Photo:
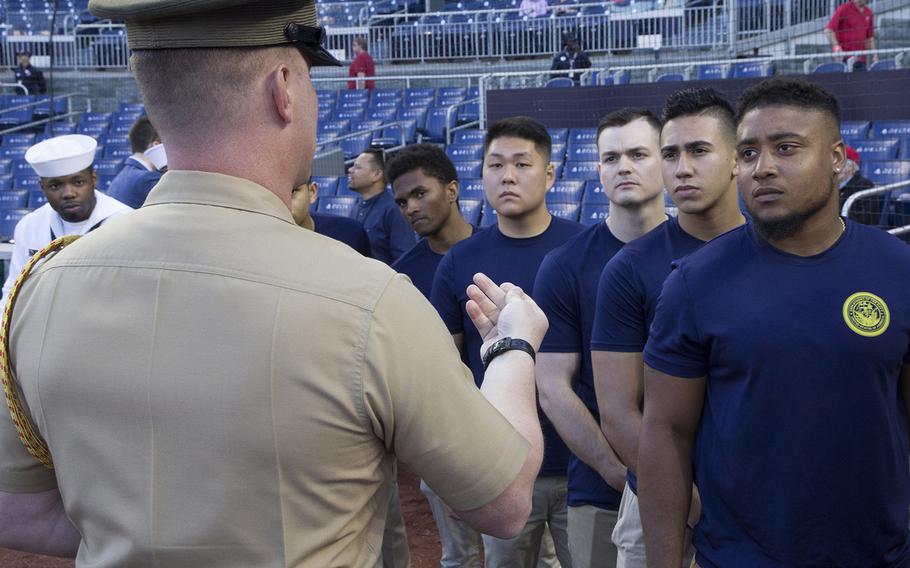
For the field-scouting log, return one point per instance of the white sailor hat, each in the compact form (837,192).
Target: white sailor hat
(157,155)
(62,156)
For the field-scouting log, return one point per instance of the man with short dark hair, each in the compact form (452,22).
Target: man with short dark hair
(697,156)
(390,234)
(28,75)
(343,229)
(516,176)
(139,175)
(571,57)
(777,370)
(566,286)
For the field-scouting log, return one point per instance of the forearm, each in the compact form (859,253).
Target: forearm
(832,39)
(37,523)
(622,428)
(665,493)
(508,385)
(581,433)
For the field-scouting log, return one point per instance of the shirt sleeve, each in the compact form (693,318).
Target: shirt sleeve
(620,321)
(558,299)
(444,297)
(834,22)
(425,407)
(401,235)
(674,346)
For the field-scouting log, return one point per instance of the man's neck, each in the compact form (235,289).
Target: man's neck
(527,225)
(455,230)
(140,157)
(309,223)
(371,191)
(629,223)
(722,217)
(817,234)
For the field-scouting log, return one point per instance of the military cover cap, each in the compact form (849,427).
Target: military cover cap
(166,24)
(62,156)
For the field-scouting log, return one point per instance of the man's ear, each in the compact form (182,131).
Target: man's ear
(279,82)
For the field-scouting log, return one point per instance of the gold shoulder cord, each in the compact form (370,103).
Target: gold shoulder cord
(29,435)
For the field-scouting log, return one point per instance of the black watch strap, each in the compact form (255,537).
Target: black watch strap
(507,344)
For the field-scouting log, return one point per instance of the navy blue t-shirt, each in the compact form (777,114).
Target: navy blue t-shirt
(504,259)
(419,264)
(564,290)
(348,231)
(390,234)
(628,289)
(802,450)
(133,183)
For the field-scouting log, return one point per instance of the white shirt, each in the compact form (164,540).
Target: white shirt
(33,232)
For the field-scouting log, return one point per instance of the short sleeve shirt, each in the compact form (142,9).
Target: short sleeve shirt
(419,264)
(852,26)
(802,450)
(249,405)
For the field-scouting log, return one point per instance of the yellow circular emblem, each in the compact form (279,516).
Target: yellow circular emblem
(866,314)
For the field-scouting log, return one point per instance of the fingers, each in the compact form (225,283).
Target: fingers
(481,321)
(483,302)
(491,290)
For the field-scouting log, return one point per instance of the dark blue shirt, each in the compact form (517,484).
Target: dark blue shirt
(134,182)
(419,264)
(565,288)
(801,454)
(628,289)
(348,231)
(504,259)
(390,234)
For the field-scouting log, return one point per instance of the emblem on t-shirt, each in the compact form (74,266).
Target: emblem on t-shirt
(866,314)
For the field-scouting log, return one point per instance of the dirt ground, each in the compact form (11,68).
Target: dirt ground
(422,535)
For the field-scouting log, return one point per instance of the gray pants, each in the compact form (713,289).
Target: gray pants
(460,543)
(590,542)
(395,550)
(548,509)
(630,538)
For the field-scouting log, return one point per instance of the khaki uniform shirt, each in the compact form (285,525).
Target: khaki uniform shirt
(219,387)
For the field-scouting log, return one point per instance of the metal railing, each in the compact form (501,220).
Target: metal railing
(98,46)
(885,192)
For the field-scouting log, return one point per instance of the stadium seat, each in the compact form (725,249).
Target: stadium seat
(467,113)
(488,217)
(593,213)
(588,135)
(13,118)
(26,182)
(6,182)
(594,193)
(436,127)
(354,115)
(883,65)
(19,139)
(385,94)
(359,95)
(621,77)
(887,172)
(135,108)
(452,93)
(380,103)
(471,209)
(581,152)
(882,149)
(353,147)
(43,109)
(566,191)
(59,128)
(385,114)
(854,129)
(670,77)
(409,127)
(14,199)
(558,151)
(36,199)
(461,152)
(890,128)
(709,72)
(829,67)
(559,82)
(12,152)
(904,151)
(420,93)
(567,211)
(108,167)
(417,114)
(752,69)
(471,188)
(8,220)
(104,182)
(468,136)
(20,167)
(468,168)
(327,96)
(337,205)
(558,135)
(117,152)
(580,170)
(328,186)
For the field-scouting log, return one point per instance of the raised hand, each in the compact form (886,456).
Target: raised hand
(504,311)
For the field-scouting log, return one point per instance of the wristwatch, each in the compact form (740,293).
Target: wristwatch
(507,344)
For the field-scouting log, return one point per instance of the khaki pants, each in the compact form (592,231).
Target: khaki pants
(548,509)
(395,550)
(460,543)
(590,542)
(630,539)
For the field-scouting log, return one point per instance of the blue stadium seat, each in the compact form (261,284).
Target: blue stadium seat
(461,152)
(385,114)
(423,103)
(6,166)
(133,108)
(558,151)
(471,188)
(417,114)
(468,168)
(19,139)
(436,127)
(408,126)
(95,117)
(751,69)
(621,77)
(558,135)
(904,152)
(337,205)
(26,182)
(420,93)
(583,135)
(360,95)
(93,129)
(886,172)
(12,152)
(382,103)
(385,94)
(882,149)
(670,77)
(20,167)
(14,199)
(471,209)
(354,115)
(326,95)
(353,147)
(830,67)
(488,218)
(593,213)
(468,136)
(104,182)
(469,112)
(15,118)
(883,65)
(566,191)
(8,220)
(580,170)
(59,128)
(853,129)
(560,82)
(6,182)
(328,186)
(353,104)
(452,93)
(336,127)
(117,152)
(567,211)
(36,199)
(712,72)
(581,152)
(108,167)
(43,108)
(594,193)
(890,128)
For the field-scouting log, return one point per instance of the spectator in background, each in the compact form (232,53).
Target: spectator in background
(851,28)
(28,75)
(139,175)
(533,8)
(866,210)
(390,234)
(571,57)
(348,231)
(362,66)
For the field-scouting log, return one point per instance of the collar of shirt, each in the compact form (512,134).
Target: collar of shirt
(104,207)
(219,190)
